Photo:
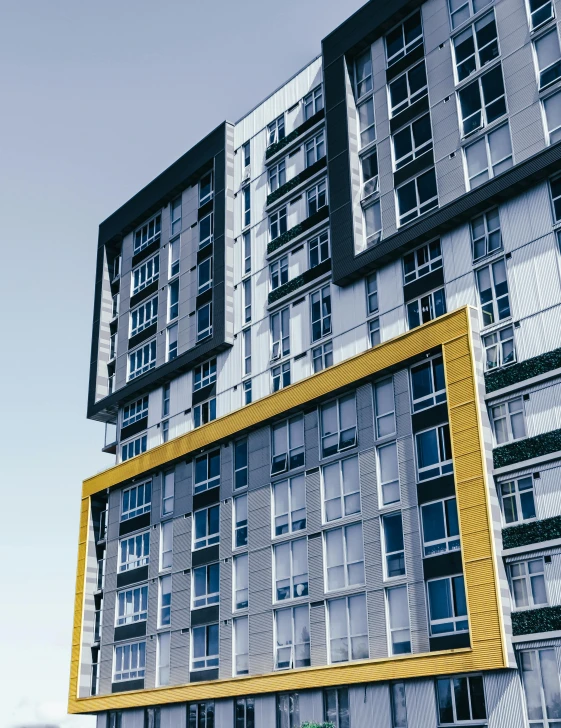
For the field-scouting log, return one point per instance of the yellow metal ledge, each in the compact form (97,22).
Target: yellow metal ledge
(488,651)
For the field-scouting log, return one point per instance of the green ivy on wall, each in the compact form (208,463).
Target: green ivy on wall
(532,532)
(531,447)
(532,621)
(505,377)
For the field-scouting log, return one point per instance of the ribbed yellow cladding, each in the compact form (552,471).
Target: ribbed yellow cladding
(488,651)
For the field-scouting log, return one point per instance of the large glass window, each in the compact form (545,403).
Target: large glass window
(147,234)
(145,274)
(276,130)
(486,233)
(434,452)
(207,471)
(398,620)
(278,272)
(241,667)
(240,521)
(291,569)
(528,583)
(241,581)
(476,46)
(548,54)
(499,348)
(163,659)
(441,531)
(425,309)
(428,386)
(322,356)
(320,302)
(447,605)
(462,10)
(347,628)
(552,108)
(142,359)
(412,141)
(394,550)
(338,425)
(540,677)
(292,633)
(135,447)
(388,474)
(344,557)
(168,491)
(372,293)
(385,407)
(373,223)
(313,102)
(164,600)
(316,197)
(422,261)
(204,321)
(398,705)
(206,585)
(288,710)
(136,500)
(369,173)
(289,505)
(460,699)
(207,527)
(341,489)
(288,445)
(132,605)
(482,101)
(129,661)
(315,149)
(408,88)
(366,122)
(492,285)
(206,230)
(518,499)
(318,248)
(240,464)
(540,12)
(277,175)
(508,421)
(489,156)
(143,316)
(166,544)
(416,197)
(204,650)
(134,551)
(204,275)
(336,707)
(280,333)
(246,206)
(201,715)
(404,38)
(363,74)
(205,189)
(204,374)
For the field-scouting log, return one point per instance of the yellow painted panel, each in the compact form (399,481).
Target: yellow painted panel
(488,650)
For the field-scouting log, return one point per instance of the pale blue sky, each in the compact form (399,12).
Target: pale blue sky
(95,100)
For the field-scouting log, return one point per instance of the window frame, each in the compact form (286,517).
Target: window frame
(507,415)
(147,350)
(240,525)
(297,481)
(393,630)
(147,311)
(449,539)
(442,466)
(434,261)
(209,597)
(142,237)
(452,681)
(466,128)
(436,396)
(164,600)
(527,578)
(314,149)
(541,23)
(313,99)
(490,169)
(540,72)
(456,618)
(293,644)
(395,556)
(514,495)
(137,510)
(476,49)
(342,495)
(210,660)
(139,614)
(210,538)
(320,313)
(293,455)
(349,633)
(341,444)
(407,46)
(421,302)
(322,357)
(421,208)
(204,198)
(138,282)
(236,626)
(346,565)
(133,673)
(210,481)
(411,98)
(295,581)
(244,468)
(243,587)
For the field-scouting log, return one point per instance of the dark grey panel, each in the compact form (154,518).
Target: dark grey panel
(204,393)
(205,556)
(134,524)
(132,576)
(403,64)
(423,285)
(150,289)
(202,675)
(206,498)
(449,642)
(147,333)
(435,489)
(411,112)
(430,417)
(123,687)
(146,252)
(134,429)
(443,565)
(414,168)
(128,631)
(206,615)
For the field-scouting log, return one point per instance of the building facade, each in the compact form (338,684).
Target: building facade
(327,349)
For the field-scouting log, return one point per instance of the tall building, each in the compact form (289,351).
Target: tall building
(327,350)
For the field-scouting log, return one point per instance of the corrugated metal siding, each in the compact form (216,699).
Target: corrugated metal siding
(503,695)
(421,704)
(318,640)
(179,661)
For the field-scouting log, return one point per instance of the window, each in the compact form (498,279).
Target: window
(173,300)
(207,471)
(447,605)
(434,452)
(277,176)
(246,154)
(166,397)
(204,412)
(206,585)
(348,628)
(276,130)
(142,359)
(366,122)
(241,581)
(482,101)
(165,430)
(385,407)
(164,600)
(493,292)
(246,343)
(316,197)
(240,464)
(486,233)
(175,217)
(338,425)
(408,88)
(147,234)
(207,527)
(145,274)
(518,500)
(206,230)
(428,386)
(315,149)
(136,500)
(205,189)
(204,321)
(280,333)
(115,305)
(548,55)
(555,188)
(388,474)
(204,648)
(404,38)
(344,557)
(288,712)
(292,632)
(241,667)
(247,391)
(412,141)
(426,308)
(417,197)
(204,275)
(319,249)
(321,313)
(277,223)
(336,707)
(508,421)
(460,699)
(552,108)
(133,448)
(540,677)
(163,659)
(280,376)
(134,551)
(204,374)
(528,583)
(373,223)
(462,10)
(363,74)
(279,272)
(289,505)
(422,261)
(246,209)
(130,661)
(288,445)
(313,102)
(172,342)
(489,156)
(374,331)
(372,294)
(168,493)
(201,715)
(114,719)
(398,705)
(476,46)
(499,348)
(291,569)
(393,545)
(322,356)
(398,620)
(240,521)
(144,316)
(113,346)
(132,605)
(341,489)
(246,237)
(540,12)
(166,545)
(441,531)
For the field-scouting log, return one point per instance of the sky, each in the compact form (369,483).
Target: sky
(96,99)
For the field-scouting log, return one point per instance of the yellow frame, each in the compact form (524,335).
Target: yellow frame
(488,649)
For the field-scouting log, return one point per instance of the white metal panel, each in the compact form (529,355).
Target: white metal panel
(390,286)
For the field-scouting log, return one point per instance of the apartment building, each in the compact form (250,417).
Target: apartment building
(327,349)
